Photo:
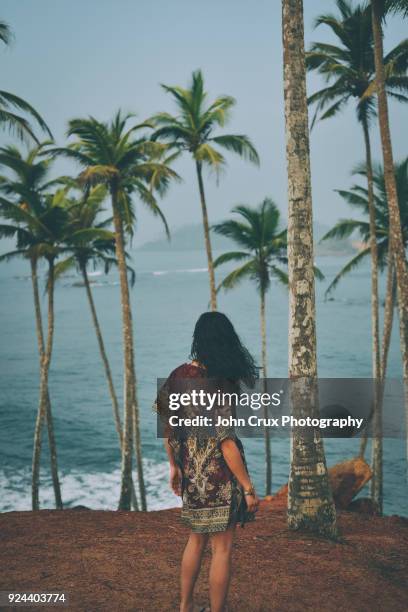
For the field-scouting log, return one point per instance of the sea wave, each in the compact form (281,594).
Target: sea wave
(95,490)
(179,271)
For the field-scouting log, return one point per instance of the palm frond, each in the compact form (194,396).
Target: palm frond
(281,275)
(62,267)
(239,144)
(9,100)
(237,231)
(318,273)
(396,6)
(351,265)
(87,235)
(16,125)
(352,197)
(235,277)
(205,153)
(149,200)
(13,255)
(344,229)
(231,256)
(6,35)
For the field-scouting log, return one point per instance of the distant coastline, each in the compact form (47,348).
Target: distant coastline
(190,238)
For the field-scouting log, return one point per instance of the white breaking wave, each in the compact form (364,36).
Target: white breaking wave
(179,271)
(95,490)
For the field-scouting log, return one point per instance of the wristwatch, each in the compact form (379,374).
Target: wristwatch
(250,491)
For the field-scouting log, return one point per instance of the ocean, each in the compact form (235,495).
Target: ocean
(171,291)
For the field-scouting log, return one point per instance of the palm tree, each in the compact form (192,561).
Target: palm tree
(357,196)
(90,243)
(257,231)
(9,120)
(39,237)
(54,221)
(378,11)
(310,502)
(192,130)
(349,67)
(110,154)
(32,225)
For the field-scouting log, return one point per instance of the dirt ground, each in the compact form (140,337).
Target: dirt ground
(130,561)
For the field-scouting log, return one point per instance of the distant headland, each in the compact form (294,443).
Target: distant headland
(190,238)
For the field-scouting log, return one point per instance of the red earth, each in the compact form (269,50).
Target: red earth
(130,561)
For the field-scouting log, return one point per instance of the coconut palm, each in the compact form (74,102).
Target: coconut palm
(9,102)
(89,243)
(193,130)
(38,231)
(28,220)
(379,8)
(310,502)
(357,196)
(110,154)
(256,231)
(350,70)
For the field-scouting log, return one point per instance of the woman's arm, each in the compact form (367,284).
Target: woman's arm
(175,471)
(235,463)
(161,407)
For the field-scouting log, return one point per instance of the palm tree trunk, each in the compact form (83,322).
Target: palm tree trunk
(267,436)
(377,445)
(396,240)
(101,345)
(310,501)
(375,326)
(48,414)
(206,226)
(130,376)
(52,444)
(139,455)
(386,341)
(108,372)
(44,407)
(395,231)
(388,316)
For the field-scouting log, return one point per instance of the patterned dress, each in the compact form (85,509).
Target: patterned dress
(212,498)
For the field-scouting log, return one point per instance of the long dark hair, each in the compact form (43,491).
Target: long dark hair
(216,345)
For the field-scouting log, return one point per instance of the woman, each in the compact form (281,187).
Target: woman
(207,468)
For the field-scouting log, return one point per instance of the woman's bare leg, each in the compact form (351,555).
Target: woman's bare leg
(190,568)
(220,569)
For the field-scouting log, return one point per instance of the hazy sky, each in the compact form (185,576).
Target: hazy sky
(71,58)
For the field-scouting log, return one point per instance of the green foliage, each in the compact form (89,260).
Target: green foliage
(258,232)
(86,237)
(111,155)
(349,68)
(357,197)
(193,128)
(5,33)
(35,217)
(395,7)
(9,120)
(15,123)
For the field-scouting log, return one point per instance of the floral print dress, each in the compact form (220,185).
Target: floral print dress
(212,498)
